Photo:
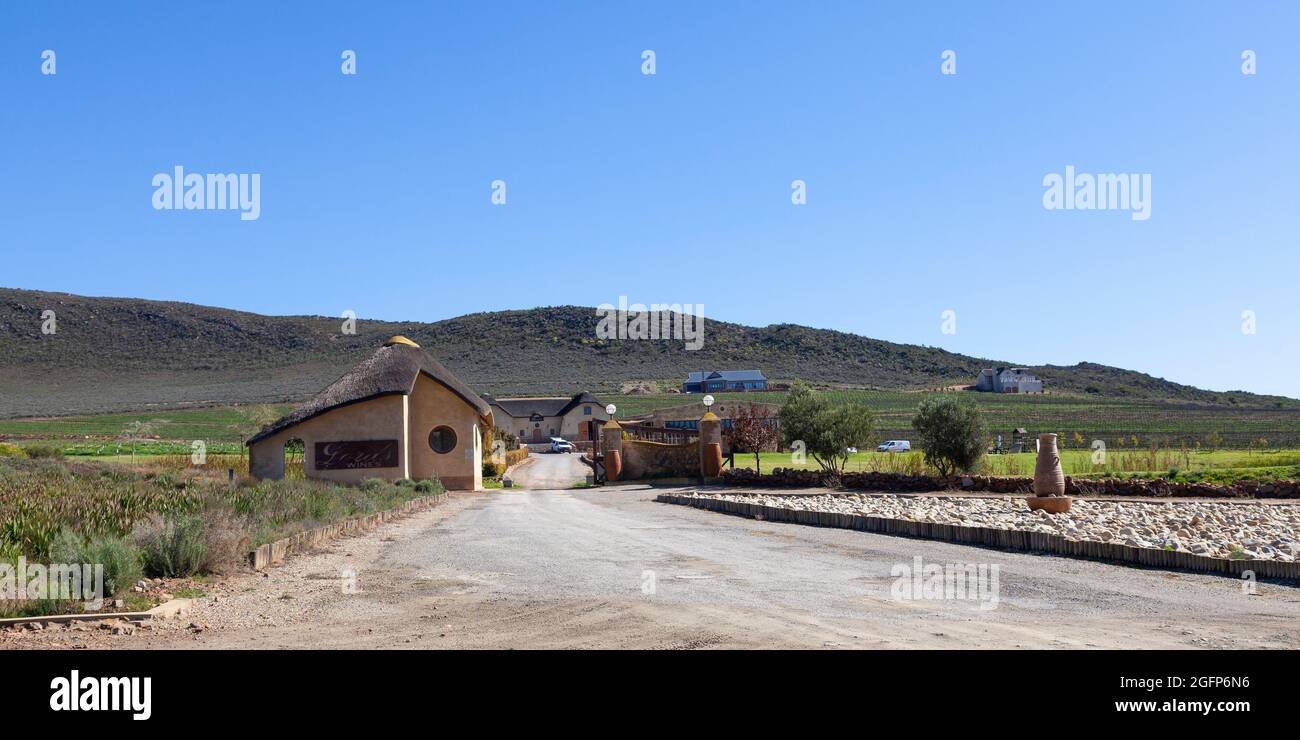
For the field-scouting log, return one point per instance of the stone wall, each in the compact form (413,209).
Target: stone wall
(896,483)
(657,460)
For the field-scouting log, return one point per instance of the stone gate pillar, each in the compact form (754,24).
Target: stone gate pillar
(611,441)
(710,434)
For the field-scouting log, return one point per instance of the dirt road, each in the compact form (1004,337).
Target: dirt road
(612,568)
(551,471)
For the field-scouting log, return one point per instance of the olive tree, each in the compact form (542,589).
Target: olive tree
(826,431)
(951,433)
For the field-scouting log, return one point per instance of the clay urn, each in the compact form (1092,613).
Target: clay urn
(613,465)
(712,460)
(1049,479)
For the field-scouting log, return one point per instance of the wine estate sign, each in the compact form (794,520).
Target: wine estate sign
(371,453)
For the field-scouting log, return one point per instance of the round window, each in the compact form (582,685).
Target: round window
(442,440)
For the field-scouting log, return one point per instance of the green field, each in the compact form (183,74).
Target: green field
(213,425)
(1110,420)
(1122,425)
(1219,466)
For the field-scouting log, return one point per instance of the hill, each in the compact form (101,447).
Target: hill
(112,354)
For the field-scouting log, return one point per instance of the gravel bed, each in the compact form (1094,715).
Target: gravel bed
(1217,529)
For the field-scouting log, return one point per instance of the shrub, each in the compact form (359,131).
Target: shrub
(174,546)
(493,469)
(121,559)
(10,450)
(951,434)
(40,451)
(514,457)
(225,541)
(825,431)
(427,487)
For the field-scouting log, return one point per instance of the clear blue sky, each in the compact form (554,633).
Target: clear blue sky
(924,190)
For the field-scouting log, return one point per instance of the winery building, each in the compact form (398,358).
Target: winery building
(397,414)
(577,418)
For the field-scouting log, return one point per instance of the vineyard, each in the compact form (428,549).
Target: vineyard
(1119,423)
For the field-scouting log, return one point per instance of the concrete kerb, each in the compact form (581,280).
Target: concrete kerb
(167,610)
(999,539)
(506,480)
(275,552)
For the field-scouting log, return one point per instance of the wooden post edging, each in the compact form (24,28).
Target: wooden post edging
(1001,539)
(275,552)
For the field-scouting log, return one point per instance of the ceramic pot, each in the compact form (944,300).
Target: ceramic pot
(1049,479)
(613,465)
(712,460)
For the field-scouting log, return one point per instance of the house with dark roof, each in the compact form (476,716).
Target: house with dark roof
(724,380)
(535,420)
(397,414)
(1007,380)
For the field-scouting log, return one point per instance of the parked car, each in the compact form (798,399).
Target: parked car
(895,445)
(560,445)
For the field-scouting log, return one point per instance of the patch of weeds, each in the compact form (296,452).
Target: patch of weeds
(138,602)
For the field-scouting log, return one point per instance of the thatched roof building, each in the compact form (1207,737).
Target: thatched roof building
(373,422)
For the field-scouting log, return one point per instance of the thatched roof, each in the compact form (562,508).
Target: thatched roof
(391,370)
(522,408)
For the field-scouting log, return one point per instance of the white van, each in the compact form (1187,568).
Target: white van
(895,445)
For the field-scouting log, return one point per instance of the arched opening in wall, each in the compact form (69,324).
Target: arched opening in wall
(295,459)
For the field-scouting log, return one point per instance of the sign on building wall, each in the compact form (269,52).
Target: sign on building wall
(372,453)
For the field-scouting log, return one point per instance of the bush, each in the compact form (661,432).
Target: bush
(952,434)
(826,432)
(493,469)
(121,559)
(39,451)
(225,540)
(173,547)
(10,450)
(428,487)
(514,457)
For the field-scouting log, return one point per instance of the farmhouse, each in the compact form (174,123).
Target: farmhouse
(397,414)
(1008,380)
(538,419)
(724,380)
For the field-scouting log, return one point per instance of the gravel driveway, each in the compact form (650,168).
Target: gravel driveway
(551,470)
(612,568)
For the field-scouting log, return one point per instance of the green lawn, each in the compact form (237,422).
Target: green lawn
(1219,466)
